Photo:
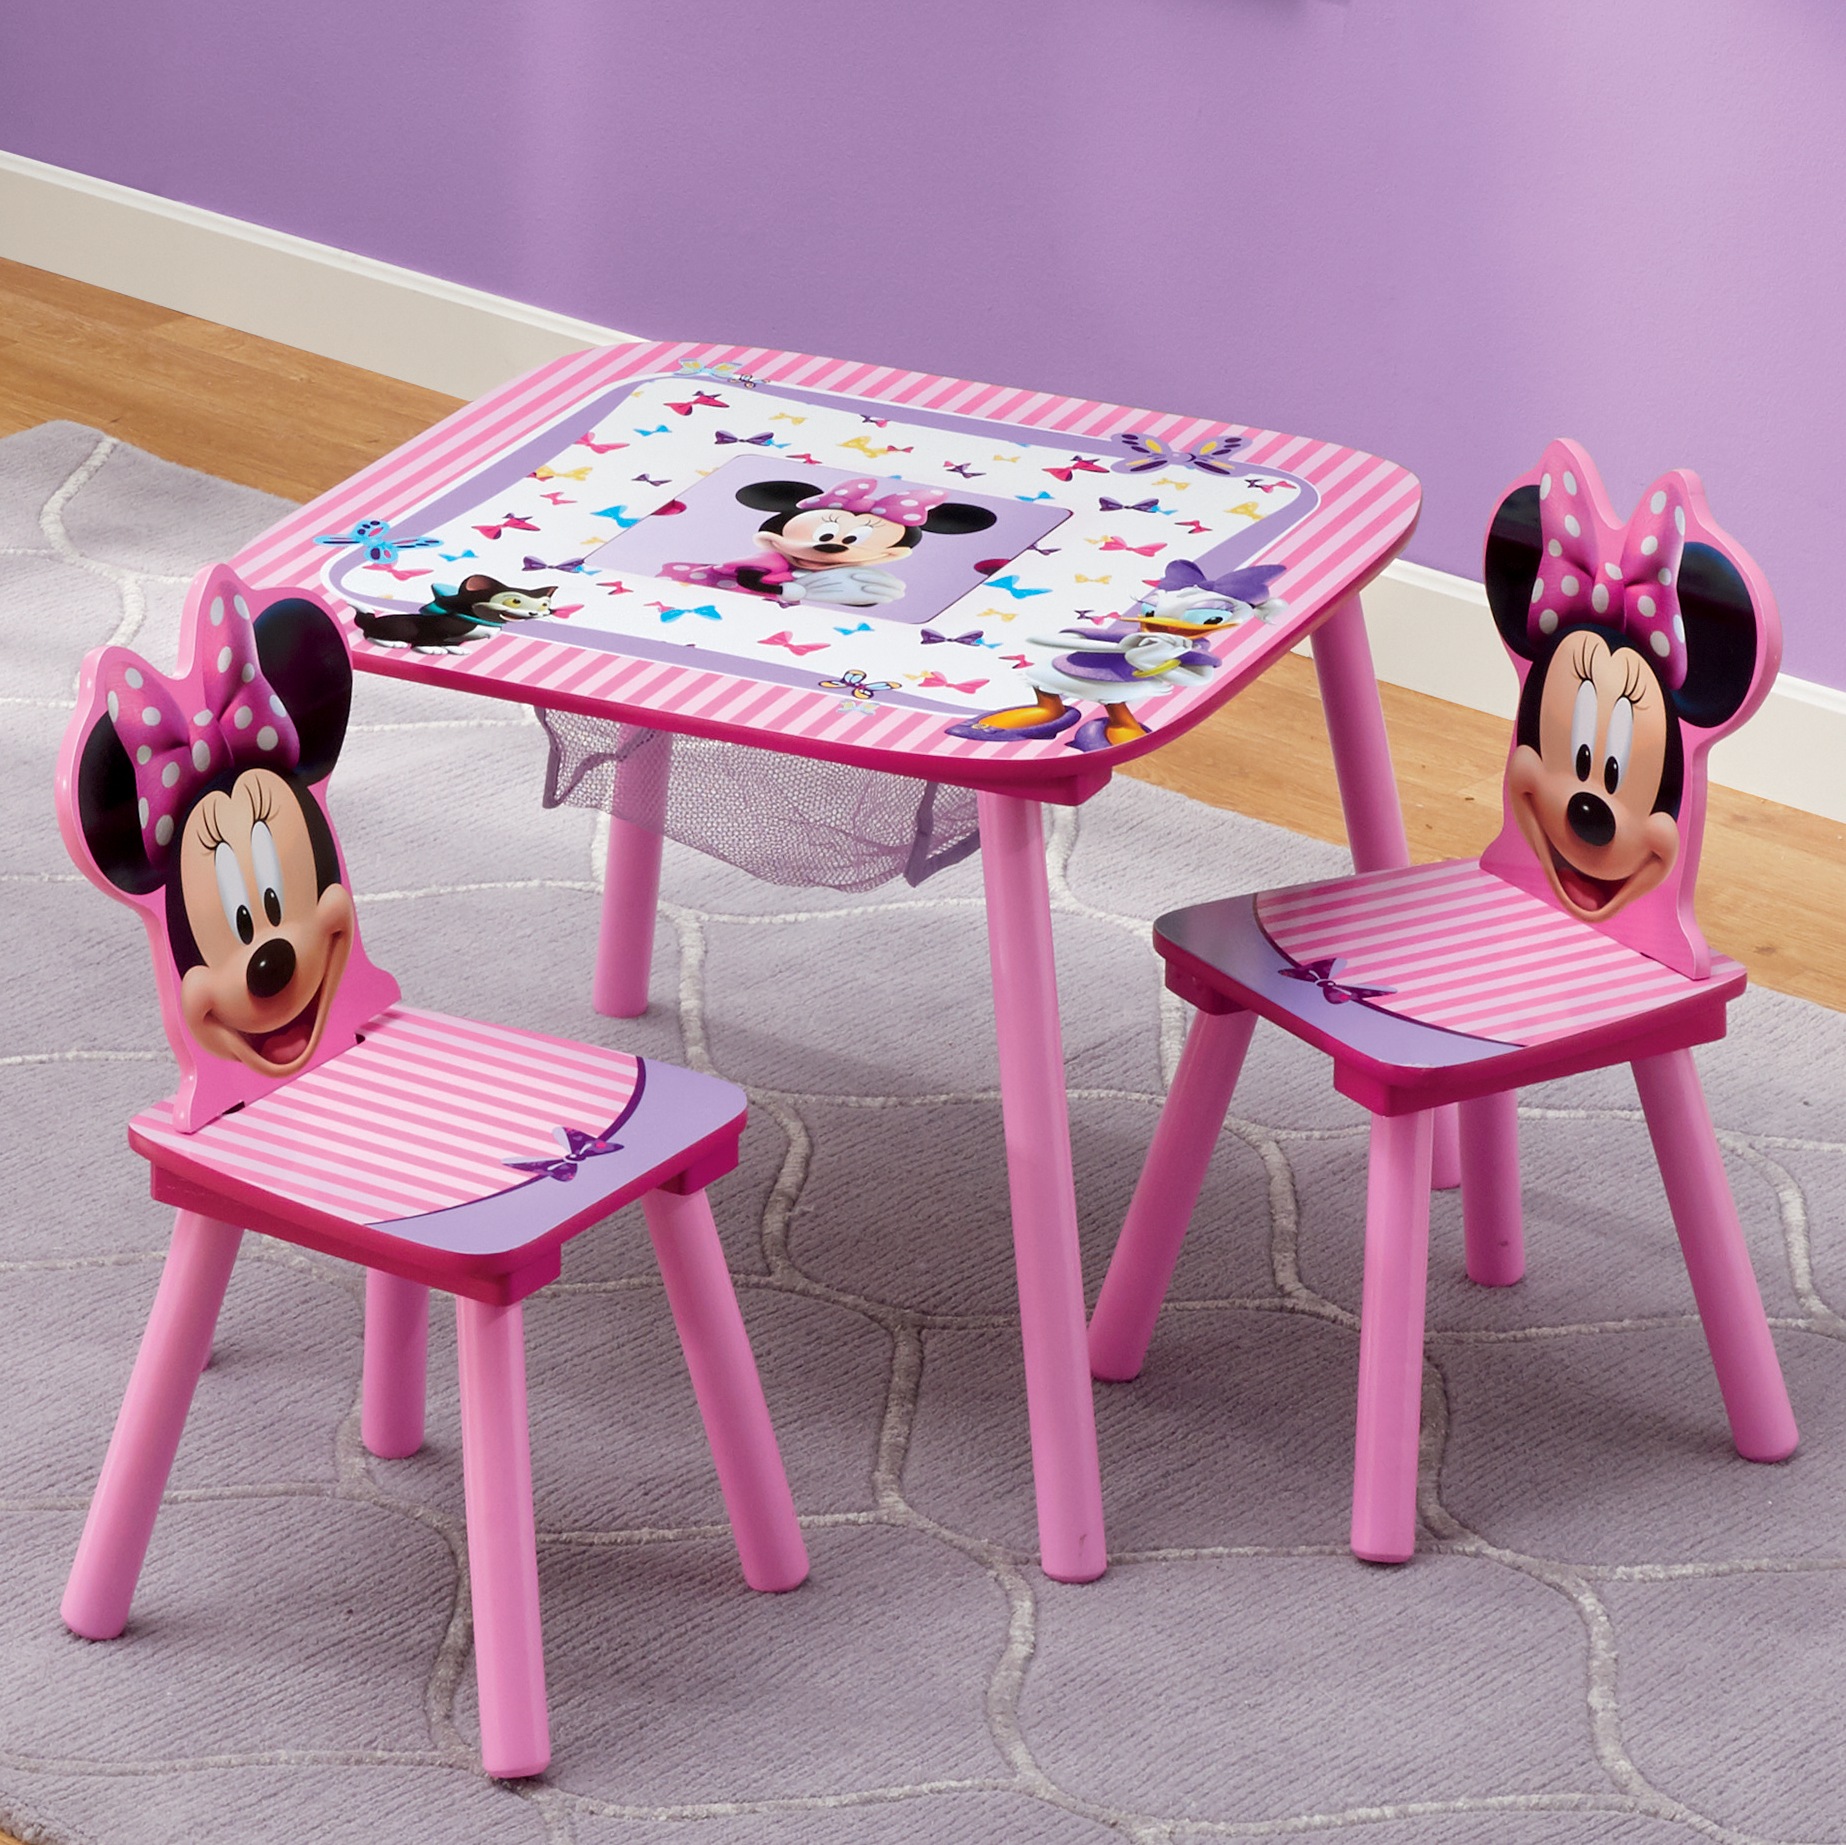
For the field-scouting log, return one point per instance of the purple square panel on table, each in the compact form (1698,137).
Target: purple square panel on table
(976,584)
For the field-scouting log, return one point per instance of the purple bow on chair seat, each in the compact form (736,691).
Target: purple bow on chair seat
(577,1146)
(1320,974)
(1581,581)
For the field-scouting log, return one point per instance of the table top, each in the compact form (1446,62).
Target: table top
(1012,547)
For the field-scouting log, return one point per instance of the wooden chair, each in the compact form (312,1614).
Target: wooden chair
(316,1108)
(1569,946)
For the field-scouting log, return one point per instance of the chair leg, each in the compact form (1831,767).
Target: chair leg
(147,1430)
(631,882)
(1723,1282)
(1384,1490)
(396,1351)
(1141,1269)
(1491,1213)
(728,1388)
(509,1652)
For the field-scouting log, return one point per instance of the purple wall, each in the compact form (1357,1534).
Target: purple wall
(1441,229)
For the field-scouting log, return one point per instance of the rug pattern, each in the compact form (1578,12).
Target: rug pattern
(1613,1630)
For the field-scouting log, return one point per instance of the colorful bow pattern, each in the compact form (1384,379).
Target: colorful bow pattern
(376,539)
(242,723)
(1580,581)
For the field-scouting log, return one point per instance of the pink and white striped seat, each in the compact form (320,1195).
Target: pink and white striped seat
(315,1107)
(1570,945)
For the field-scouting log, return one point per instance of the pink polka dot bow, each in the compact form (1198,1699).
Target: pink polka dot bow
(236,721)
(1580,581)
(887,499)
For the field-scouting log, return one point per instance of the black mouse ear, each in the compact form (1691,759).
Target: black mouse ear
(108,813)
(952,516)
(304,658)
(1514,550)
(1723,637)
(776,496)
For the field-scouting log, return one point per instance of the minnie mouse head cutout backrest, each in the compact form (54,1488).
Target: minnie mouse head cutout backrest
(1637,647)
(200,800)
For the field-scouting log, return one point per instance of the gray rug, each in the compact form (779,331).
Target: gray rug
(1614,1630)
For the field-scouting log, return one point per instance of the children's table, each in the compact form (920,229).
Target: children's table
(998,589)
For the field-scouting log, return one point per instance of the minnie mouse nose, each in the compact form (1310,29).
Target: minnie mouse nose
(271,968)
(1590,819)
(827,547)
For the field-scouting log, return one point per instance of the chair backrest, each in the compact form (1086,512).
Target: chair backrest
(200,801)
(1637,647)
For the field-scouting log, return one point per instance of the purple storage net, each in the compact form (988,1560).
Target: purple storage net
(784,819)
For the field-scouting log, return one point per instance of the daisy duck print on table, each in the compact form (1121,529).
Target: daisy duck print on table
(876,563)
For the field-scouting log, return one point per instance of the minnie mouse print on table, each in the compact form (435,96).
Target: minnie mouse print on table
(997,588)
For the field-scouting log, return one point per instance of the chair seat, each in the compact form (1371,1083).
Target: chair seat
(449,1152)
(1434,983)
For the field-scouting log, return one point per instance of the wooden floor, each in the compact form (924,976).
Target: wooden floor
(1772,890)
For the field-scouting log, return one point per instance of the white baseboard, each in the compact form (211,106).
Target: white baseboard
(299,293)
(1430,631)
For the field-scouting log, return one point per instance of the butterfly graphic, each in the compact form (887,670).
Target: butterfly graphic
(566,612)
(509,522)
(1263,486)
(1030,497)
(601,448)
(651,481)
(856,685)
(1007,458)
(785,639)
(618,513)
(547,473)
(934,679)
(721,369)
(454,557)
(1248,510)
(616,587)
(864,627)
(1320,974)
(1105,504)
(765,440)
(1010,584)
(659,429)
(812,461)
(962,468)
(971,639)
(376,539)
(998,614)
(1095,579)
(1045,550)
(576,566)
(782,416)
(558,499)
(391,570)
(878,422)
(1149,452)
(704,611)
(1015,659)
(1194,527)
(1112,543)
(866,448)
(1079,464)
(700,399)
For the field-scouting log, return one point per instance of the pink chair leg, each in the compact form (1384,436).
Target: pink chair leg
(1717,1260)
(631,882)
(729,1390)
(509,1653)
(1368,790)
(1384,1489)
(396,1349)
(1141,1269)
(147,1431)
(1446,1160)
(1060,1406)
(1493,1222)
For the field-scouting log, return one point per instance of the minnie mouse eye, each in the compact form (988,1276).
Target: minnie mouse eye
(268,865)
(231,895)
(1583,730)
(1621,743)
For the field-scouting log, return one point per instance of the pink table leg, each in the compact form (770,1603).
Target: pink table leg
(1368,791)
(730,1393)
(1185,1137)
(631,881)
(1059,1403)
(147,1431)
(396,1355)
(509,1652)
(1717,1259)
(1391,1313)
